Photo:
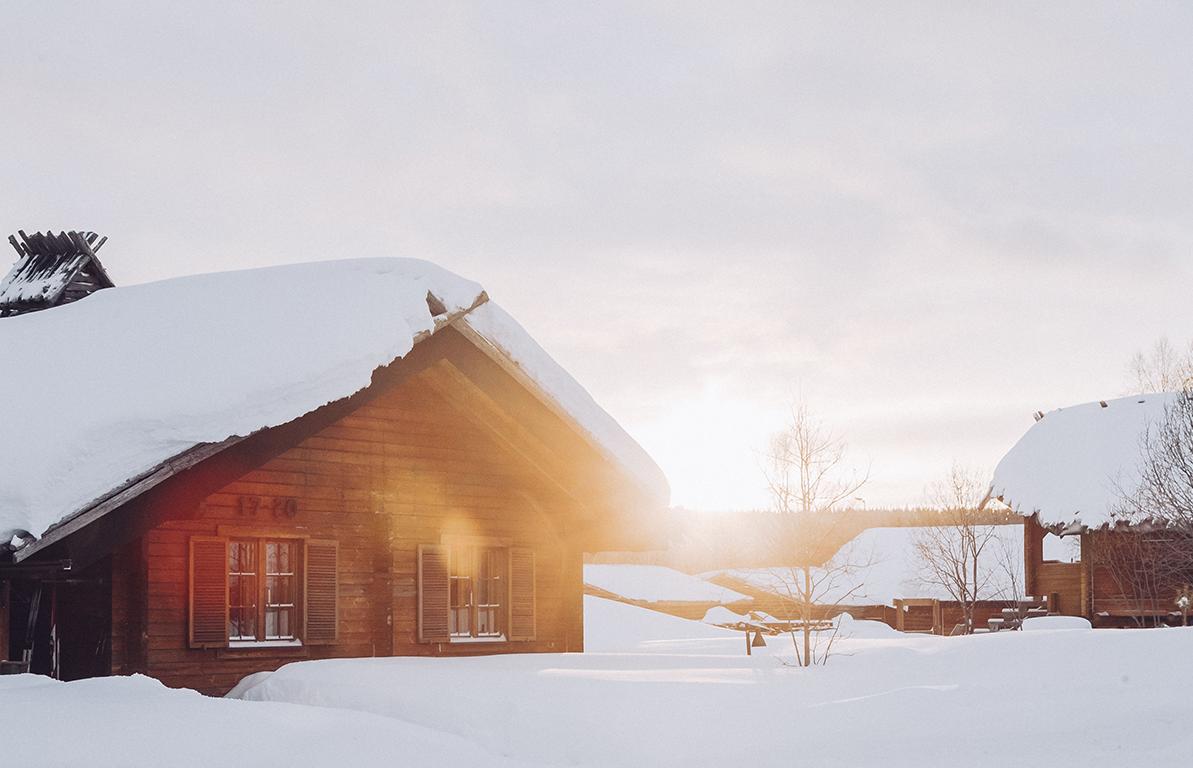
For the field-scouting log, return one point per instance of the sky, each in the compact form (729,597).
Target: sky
(926,221)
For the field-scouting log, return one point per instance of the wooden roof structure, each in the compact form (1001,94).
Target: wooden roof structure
(52,269)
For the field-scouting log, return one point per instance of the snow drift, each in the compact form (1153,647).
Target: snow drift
(885,700)
(136,722)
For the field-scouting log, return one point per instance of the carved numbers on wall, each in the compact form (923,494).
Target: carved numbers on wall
(276,507)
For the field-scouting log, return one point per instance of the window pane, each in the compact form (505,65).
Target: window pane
(281,590)
(460,590)
(459,621)
(242,590)
(486,621)
(490,586)
(279,623)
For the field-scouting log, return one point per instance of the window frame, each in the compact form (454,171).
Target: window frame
(465,561)
(297,573)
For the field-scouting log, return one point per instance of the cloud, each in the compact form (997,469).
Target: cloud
(699,210)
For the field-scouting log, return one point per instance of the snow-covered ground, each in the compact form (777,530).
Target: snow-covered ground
(654,690)
(1048,697)
(136,722)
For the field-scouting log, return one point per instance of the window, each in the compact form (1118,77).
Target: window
(1061,550)
(262,590)
(477,589)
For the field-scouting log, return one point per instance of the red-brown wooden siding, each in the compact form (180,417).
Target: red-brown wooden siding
(402,470)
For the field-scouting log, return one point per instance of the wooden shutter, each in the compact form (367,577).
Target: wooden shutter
(434,594)
(322,587)
(522,609)
(207,606)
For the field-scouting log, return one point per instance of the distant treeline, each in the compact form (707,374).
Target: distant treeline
(706,541)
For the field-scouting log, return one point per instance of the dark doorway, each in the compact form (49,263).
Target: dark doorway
(72,623)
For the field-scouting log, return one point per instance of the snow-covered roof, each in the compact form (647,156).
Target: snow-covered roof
(1073,466)
(889,568)
(719,614)
(656,583)
(111,387)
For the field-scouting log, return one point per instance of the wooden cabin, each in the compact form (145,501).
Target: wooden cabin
(436,500)
(1067,476)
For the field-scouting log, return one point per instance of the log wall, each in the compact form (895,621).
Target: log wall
(1065,583)
(403,469)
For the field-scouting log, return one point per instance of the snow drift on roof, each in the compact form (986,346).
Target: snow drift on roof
(655,583)
(98,392)
(1073,465)
(894,571)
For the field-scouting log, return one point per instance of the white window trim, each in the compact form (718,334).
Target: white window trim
(462,640)
(295,643)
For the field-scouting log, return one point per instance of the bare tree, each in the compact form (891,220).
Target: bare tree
(1010,581)
(1149,553)
(950,553)
(1165,493)
(1146,566)
(808,481)
(1163,368)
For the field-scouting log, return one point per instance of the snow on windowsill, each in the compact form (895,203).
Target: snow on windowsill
(477,640)
(243,644)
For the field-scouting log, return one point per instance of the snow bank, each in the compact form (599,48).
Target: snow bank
(1048,623)
(890,701)
(864,629)
(889,568)
(655,583)
(98,392)
(497,327)
(136,722)
(1073,465)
